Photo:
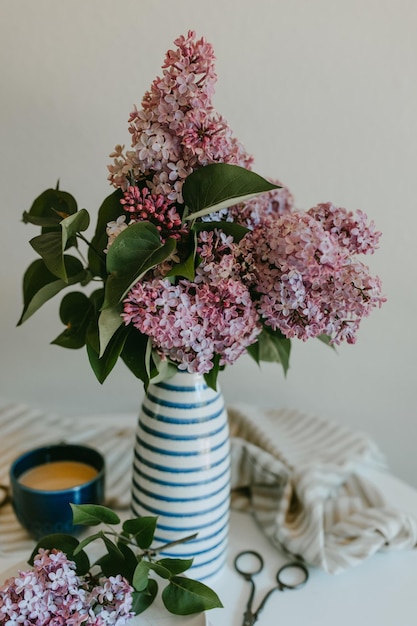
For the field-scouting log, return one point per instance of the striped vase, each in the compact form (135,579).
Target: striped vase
(181,470)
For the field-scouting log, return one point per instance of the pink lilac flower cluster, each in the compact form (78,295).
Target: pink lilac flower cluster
(177,129)
(304,277)
(142,205)
(51,594)
(192,321)
(294,271)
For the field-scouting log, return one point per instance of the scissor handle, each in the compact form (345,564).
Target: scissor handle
(248,563)
(284,575)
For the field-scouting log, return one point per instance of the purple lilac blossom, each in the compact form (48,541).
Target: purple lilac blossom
(304,278)
(51,594)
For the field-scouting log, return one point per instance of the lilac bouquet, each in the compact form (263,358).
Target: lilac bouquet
(200,258)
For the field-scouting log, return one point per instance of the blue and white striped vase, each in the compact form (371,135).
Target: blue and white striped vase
(181,470)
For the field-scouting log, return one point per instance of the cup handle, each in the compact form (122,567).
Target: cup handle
(4,495)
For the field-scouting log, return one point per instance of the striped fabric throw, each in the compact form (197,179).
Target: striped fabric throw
(300,476)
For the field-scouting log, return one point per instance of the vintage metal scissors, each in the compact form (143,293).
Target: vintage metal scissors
(248,563)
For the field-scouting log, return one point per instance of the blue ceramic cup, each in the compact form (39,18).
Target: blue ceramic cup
(44,481)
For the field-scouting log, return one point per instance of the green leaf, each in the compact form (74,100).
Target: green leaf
(85,542)
(93,514)
(143,599)
(102,366)
(109,322)
(130,561)
(143,529)
(162,370)
(51,245)
(162,571)
(176,566)
(133,353)
(50,207)
(67,544)
(134,252)
(253,351)
(183,596)
(271,346)
(40,285)
(113,562)
(326,339)
(211,376)
(237,231)
(186,269)
(114,553)
(141,576)
(73,224)
(220,185)
(92,335)
(109,211)
(75,312)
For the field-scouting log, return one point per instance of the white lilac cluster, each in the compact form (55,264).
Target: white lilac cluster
(296,272)
(51,594)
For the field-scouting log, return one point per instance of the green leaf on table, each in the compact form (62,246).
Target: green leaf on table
(134,252)
(176,566)
(40,285)
(113,563)
(130,561)
(75,312)
(159,569)
(93,514)
(141,576)
(85,542)
(183,596)
(142,600)
(143,530)
(67,544)
(220,185)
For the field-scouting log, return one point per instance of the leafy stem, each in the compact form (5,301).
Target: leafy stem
(99,255)
(129,553)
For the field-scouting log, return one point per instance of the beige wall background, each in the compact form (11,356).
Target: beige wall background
(322,92)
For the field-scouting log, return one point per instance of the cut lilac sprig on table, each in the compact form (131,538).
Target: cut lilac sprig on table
(63,587)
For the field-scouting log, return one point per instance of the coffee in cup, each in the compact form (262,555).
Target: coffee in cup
(44,482)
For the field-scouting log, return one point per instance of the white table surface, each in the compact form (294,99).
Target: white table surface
(382,591)
(379,592)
